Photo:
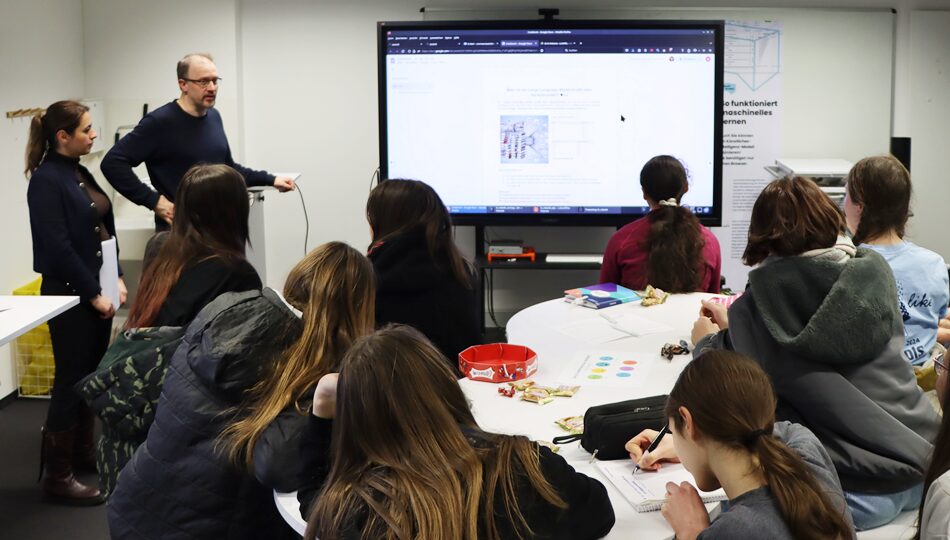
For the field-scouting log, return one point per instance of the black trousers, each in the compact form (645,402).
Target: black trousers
(80,338)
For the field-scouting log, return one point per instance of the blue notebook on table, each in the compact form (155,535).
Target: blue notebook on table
(601,295)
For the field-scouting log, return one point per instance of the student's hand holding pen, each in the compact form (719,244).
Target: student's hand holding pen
(651,461)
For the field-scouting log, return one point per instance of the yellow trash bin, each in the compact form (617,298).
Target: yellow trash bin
(33,352)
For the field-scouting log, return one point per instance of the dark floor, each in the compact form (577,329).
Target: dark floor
(23,514)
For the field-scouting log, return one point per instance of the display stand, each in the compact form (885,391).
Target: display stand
(485,269)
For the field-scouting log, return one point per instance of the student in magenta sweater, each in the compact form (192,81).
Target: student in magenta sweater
(668,248)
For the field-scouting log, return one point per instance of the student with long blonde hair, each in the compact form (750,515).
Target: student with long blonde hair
(226,431)
(409,460)
(779,479)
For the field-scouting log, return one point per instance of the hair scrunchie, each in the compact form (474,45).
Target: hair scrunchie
(752,437)
(669,202)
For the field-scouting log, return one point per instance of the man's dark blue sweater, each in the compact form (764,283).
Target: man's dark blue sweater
(170,141)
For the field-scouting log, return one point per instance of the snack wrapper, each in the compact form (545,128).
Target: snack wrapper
(571,424)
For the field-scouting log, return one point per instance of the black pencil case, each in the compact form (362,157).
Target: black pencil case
(607,428)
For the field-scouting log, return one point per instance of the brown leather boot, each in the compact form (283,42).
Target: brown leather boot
(84,453)
(60,485)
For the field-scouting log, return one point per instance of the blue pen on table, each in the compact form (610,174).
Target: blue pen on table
(653,445)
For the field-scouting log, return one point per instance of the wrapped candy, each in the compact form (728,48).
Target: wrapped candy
(653,296)
(571,424)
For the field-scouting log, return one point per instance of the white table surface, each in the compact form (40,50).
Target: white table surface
(19,314)
(537,327)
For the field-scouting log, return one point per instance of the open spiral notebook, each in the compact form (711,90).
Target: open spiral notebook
(646,490)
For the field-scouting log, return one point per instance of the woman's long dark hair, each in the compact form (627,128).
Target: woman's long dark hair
(731,401)
(940,462)
(675,243)
(399,206)
(881,185)
(404,465)
(211,211)
(60,116)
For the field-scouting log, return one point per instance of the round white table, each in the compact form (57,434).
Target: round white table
(541,327)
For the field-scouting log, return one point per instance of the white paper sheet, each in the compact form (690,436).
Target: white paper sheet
(109,272)
(592,331)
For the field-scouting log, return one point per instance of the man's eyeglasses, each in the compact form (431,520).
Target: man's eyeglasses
(939,363)
(204,83)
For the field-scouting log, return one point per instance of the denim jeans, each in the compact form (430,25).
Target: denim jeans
(872,510)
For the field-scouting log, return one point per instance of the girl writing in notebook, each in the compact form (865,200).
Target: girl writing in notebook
(668,248)
(779,479)
(819,316)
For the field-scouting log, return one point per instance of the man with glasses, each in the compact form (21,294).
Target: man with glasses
(173,138)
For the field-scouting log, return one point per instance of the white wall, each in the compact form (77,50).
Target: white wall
(928,119)
(41,60)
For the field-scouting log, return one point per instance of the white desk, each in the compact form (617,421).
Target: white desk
(289,509)
(19,314)
(537,327)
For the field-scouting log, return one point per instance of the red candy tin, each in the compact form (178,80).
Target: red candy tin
(498,362)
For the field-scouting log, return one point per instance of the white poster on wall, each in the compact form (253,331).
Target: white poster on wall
(752,132)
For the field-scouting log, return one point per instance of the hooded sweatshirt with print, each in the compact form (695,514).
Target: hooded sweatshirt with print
(825,327)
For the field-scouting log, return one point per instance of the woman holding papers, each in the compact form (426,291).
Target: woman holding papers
(779,479)
(819,316)
(409,460)
(70,218)
(668,248)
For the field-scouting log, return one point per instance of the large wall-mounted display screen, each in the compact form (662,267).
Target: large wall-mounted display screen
(551,122)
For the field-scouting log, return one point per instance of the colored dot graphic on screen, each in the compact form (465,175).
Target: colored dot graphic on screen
(627,368)
(603,364)
(624,374)
(598,370)
(607,358)
(630,362)
(594,377)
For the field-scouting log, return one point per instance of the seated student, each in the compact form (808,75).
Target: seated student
(877,206)
(668,248)
(819,317)
(780,481)
(409,460)
(203,256)
(339,289)
(423,280)
(934,517)
(183,482)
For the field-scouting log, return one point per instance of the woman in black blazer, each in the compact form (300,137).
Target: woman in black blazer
(70,216)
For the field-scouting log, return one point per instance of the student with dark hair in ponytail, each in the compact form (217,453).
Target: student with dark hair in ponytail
(423,279)
(70,216)
(668,248)
(779,479)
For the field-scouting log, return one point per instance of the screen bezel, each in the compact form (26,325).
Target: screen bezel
(714,218)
